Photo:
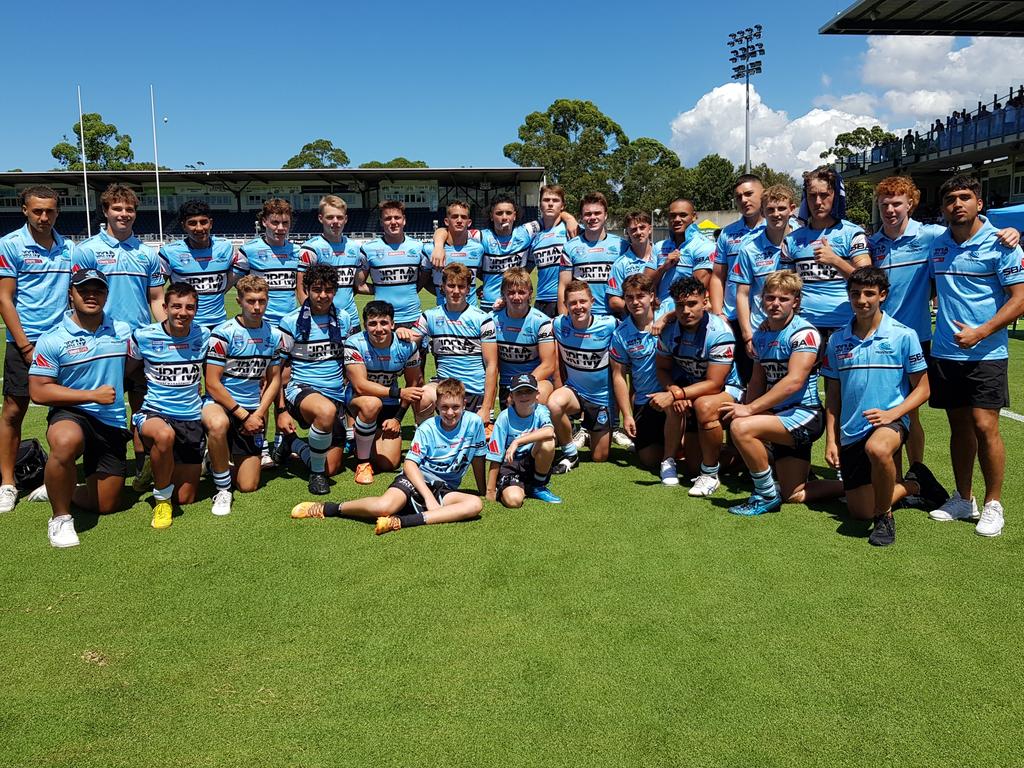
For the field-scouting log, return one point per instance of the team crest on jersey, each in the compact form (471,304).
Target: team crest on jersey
(158,346)
(415,448)
(885,348)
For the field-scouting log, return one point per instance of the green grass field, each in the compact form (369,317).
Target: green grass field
(631,625)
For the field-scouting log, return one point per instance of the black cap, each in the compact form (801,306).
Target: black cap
(83,276)
(524,381)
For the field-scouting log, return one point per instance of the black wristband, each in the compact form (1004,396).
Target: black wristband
(236,409)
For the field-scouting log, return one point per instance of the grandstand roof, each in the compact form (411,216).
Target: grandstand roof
(369,176)
(1002,18)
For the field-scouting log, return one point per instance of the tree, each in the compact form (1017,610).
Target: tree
(857,140)
(320,153)
(105,148)
(711,182)
(397,162)
(859,200)
(647,175)
(769,176)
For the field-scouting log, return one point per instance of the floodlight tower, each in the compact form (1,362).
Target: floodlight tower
(746,54)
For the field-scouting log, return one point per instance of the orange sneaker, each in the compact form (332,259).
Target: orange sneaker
(308,509)
(364,473)
(387,524)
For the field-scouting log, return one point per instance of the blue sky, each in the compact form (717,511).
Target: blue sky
(246,84)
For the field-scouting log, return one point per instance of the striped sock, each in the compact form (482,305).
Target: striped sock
(163,494)
(222,480)
(763,484)
(364,438)
(569,450)
(319,443)
(706,470)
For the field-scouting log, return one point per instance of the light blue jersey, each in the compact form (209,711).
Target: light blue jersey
(519,340)
(394,271)
(131,269)
(773,350)
(500,255)
(245,354)
(758,257)
(277,264)
(730,239)
(627,265)
(592,262)
(509,425)
(697,252)
(80,359)
(42,278)
(456,339)
(635,351)
(970,281)
(173,367)
(471,255)
(206,269)
(584,353)
(824,301)
(546,252)
(315,361)
(346,258)
(383,364)
(444,455)
(905,261)
(710,343)
(872,372)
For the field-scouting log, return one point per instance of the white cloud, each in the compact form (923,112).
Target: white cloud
(826,81)
(861,103)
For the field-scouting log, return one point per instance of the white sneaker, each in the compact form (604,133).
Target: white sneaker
(991,522)
(222,503)
(61,532)
(704,485)
(8,497)
(956,508)
(580,438)
(668,472)
(39,494)
(621,439)
(265,461)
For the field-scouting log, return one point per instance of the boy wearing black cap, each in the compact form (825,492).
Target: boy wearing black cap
(521,448)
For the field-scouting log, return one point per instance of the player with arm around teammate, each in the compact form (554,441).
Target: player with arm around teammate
(334,248)
(392,263)
(426,491)
(686,252)
(547,247)
(590,255)
(243,378)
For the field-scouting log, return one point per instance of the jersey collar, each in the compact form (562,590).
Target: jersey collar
(26,237)
(76,330)
(883,331)
(132,242)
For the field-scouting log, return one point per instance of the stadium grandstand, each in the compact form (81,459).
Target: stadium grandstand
(236,196)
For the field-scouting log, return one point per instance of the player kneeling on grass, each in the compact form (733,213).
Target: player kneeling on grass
(782,408)
(695,368)
(374,359)
(424,493)
(312,338)
(521,448)
(78,370)
(169,422)
(243,378)
(523,336)
(876,376)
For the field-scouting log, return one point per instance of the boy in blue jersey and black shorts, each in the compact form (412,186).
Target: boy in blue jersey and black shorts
(169,422)
(523,336)
(374,359)
(426,491)
(638,258)
(202,261)
(393,263)
(459,248)
(334,248)
(696,372)
(35,271)
(686,252)
(313,382)
(980,288)
(590,255)
(876,375)
(78,370)
(243,378)
(547,247)
(521,448)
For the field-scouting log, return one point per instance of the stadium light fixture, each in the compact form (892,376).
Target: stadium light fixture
(85,164)
(744,49)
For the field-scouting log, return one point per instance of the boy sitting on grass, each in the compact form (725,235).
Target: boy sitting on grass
(424,493)
(521,448)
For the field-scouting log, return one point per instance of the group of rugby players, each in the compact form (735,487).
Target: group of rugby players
(684,340)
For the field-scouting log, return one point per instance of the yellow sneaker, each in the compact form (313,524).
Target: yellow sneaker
(308,509)
(387,524)
(163,515)
(364,473)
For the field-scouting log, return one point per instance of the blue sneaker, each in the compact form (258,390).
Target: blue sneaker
(757,505)
(542,493)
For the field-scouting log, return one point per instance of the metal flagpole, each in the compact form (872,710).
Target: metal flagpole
(156,166)
(85,172)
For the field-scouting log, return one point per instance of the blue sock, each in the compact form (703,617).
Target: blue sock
(706,470)
(163,494)
(763,484)
(569,450)
(222,480)
(319,443)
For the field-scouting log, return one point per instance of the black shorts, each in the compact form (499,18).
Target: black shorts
(743,361)
(596,418)
(519,472)
(240,444)
(549,308)
(926,348)
(339,433)
(473,402)
(105,446)
(650,426)
(414,502)
(189,437)
(135,383)
(804,438)
(854,462)
(15,372)
(968,384)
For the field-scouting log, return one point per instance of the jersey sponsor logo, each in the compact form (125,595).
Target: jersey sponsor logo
(353,356)
(174,374)
(516,353)
(916,358)
(106,257)
(218,348)
(592,273)
(394,275)
(549,256)
(586,360)
(454,345)
(495,265)
(415,448)
(774,370)
(813,271)
(207,284)
(385,378)
(1015,269)
(246,367)
(279,279)
(315,351)
(346,276)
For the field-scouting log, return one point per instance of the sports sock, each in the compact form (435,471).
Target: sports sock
(569,450)
(140,459)
(706,470)
(319,443)
(163,494)
(301,449)
(222,480)
(332,510)
(408,521)
(541,479)
(764,486)
(364,438)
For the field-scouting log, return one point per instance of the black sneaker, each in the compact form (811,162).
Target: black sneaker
(931,490)
(566,464)
(318,484)
(883,533)
(280,452)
